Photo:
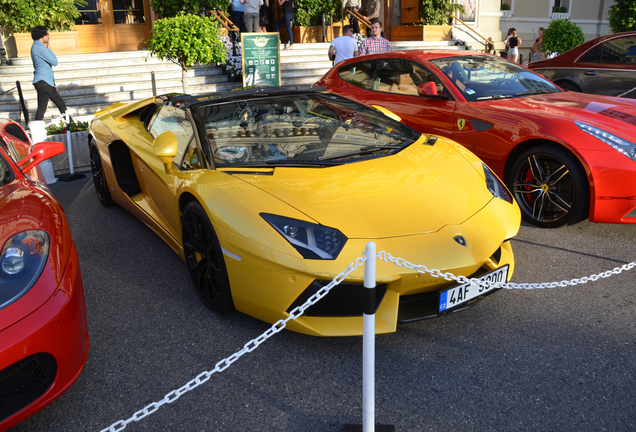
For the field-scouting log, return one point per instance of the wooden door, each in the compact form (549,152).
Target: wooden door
(114,25)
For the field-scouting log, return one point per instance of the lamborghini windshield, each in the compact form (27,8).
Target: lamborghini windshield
(488,77)
(315,129)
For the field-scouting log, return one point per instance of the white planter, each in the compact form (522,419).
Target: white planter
(559,15)
(79,147)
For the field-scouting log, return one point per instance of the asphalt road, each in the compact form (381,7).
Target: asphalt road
(561,359)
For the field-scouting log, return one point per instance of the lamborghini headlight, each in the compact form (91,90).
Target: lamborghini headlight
(312,241)
(22,260)
(495,186)
(617,143)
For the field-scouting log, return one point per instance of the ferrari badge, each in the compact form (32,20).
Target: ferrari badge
(461,123)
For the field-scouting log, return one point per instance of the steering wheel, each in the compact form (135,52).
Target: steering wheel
(499,82)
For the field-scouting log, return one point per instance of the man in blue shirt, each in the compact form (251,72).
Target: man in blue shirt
(43,81)
(237,14)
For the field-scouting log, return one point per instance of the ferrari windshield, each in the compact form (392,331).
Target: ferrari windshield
(316,128)
(488,77)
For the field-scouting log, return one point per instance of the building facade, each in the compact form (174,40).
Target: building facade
(125,25)
(528,16)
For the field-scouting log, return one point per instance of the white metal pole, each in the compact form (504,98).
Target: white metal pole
(69,145)
(368,341)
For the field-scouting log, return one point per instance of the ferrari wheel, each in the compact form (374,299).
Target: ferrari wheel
(550,186)
(99,178)
(204,259)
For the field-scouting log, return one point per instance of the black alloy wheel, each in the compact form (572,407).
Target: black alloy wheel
(99,178)
(204,259)
(550,186)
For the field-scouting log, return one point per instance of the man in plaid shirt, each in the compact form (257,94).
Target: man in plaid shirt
(376,43)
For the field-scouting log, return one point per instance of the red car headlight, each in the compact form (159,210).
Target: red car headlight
(22,260)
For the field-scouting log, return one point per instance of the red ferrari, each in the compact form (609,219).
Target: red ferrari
(566,156)
(43,332)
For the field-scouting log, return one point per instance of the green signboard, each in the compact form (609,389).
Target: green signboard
(261,59)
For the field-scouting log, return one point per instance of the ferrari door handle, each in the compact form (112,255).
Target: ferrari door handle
(590,73)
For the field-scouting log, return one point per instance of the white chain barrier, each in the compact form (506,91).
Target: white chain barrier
(385,256)
(322,292)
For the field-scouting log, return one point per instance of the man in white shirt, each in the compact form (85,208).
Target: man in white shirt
(343,47)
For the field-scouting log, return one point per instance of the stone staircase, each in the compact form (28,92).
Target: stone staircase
(90,82)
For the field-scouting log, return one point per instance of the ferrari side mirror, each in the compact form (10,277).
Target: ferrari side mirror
(41,152)
(428,88)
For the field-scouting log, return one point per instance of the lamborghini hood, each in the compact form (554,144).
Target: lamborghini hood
(419,190)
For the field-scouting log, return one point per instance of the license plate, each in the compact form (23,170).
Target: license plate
(464,293)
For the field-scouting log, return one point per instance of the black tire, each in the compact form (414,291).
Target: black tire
(550,186)
(204,259)
(99,177)
(569,86)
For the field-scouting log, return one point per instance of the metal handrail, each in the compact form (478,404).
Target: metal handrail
(361,18)
(224,20)
(489,45)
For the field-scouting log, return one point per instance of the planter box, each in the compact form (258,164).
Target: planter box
(310,34)
(81,156)
(421,33)
(560,15)
(61,43)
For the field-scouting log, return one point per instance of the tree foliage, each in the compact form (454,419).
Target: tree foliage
(187,39)
(437,12)
(562,35)
(20,16)
(171,8)
(622,16)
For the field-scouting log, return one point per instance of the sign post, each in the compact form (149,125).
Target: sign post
(261,59)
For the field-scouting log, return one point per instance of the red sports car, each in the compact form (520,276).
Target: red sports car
(43,333)
(605,66)
(565,155)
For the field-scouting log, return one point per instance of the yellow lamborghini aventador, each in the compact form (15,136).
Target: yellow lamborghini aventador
(268,194)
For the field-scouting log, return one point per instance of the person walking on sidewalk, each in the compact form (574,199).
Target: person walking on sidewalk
(43,81)
(514,42)
(287,7)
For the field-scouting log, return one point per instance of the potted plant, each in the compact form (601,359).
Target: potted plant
(308,20)
(233,59)
(18,17)
(187,39)
(58,132)
(433,24)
